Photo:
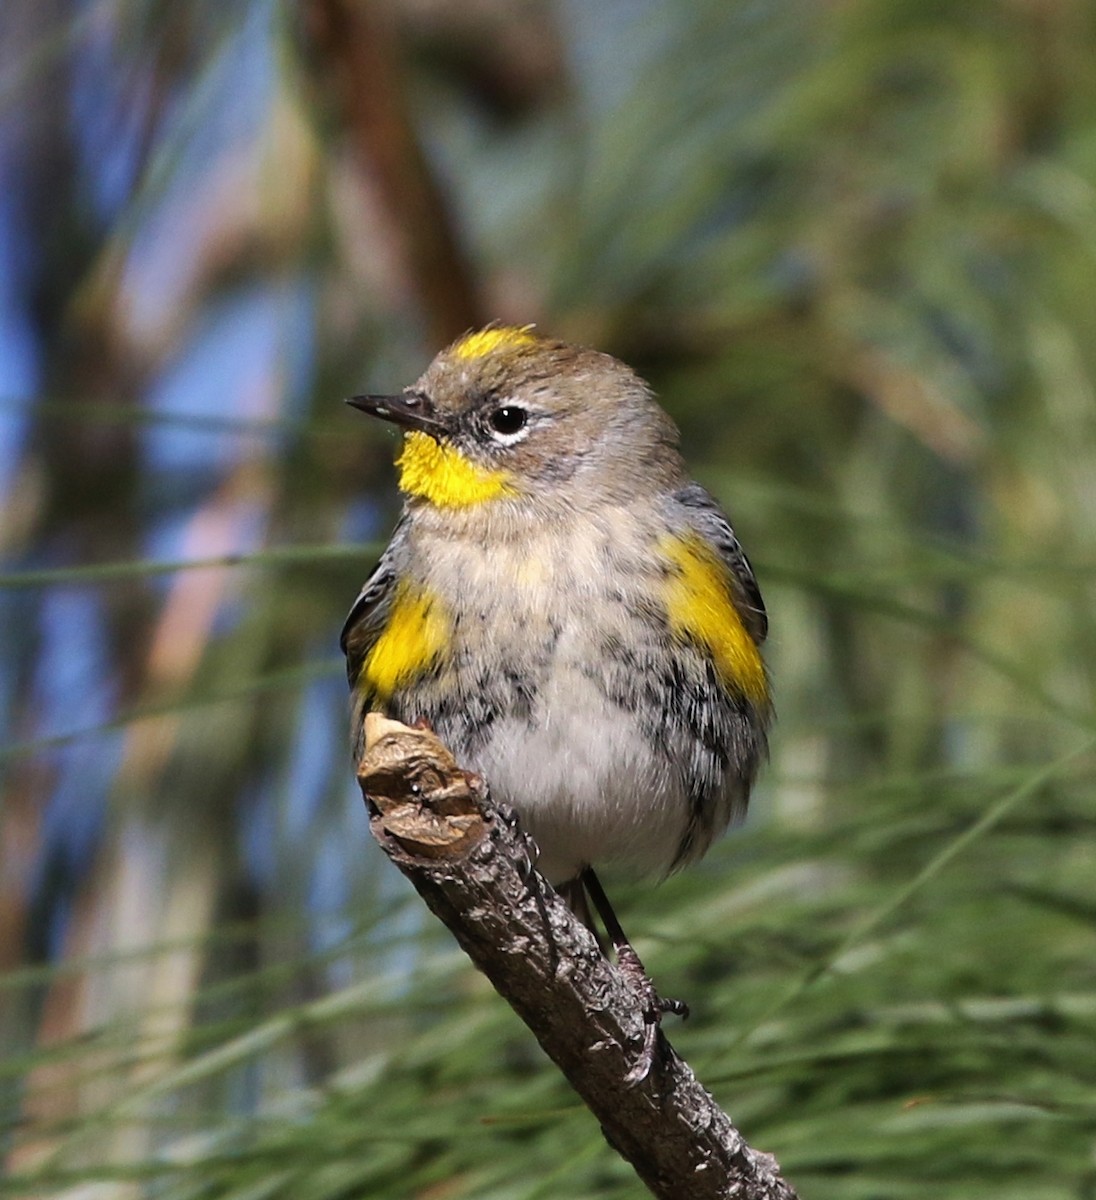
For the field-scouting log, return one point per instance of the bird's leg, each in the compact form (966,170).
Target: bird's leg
(632,966)
(574,893)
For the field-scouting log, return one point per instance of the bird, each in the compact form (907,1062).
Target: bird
(570,612)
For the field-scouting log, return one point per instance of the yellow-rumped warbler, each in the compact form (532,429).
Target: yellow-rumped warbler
(572,615)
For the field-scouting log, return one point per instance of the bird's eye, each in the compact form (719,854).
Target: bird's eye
(507,420)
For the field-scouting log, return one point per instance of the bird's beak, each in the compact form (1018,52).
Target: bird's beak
(411,410)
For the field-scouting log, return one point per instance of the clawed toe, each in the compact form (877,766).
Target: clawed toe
(646,1060)
(653,1006)
(678,1007)
(653,1010)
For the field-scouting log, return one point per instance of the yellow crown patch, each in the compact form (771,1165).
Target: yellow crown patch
(494,337)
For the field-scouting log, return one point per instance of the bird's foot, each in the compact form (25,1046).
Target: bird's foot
(654,1007)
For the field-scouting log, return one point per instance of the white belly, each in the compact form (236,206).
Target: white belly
(586,782)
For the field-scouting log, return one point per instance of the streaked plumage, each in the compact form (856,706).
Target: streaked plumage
(574,617)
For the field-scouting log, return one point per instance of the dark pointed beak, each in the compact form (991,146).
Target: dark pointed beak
(411,410)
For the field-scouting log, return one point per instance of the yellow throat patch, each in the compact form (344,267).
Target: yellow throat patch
(700,608)
(416,633)
(485,341)
(441,474)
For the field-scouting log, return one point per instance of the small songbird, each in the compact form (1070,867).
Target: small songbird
(571,614)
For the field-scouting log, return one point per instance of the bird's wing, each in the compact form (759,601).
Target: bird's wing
(369,614)
(707,519)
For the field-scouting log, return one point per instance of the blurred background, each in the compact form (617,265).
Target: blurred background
(853,245)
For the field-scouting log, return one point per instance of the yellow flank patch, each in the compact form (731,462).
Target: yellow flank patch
(441,474)
(700,608)
(485,341)
(416,633)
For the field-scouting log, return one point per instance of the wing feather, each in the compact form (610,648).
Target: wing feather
(708,520)
(369,613)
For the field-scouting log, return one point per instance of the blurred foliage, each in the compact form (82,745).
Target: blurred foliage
(852,244)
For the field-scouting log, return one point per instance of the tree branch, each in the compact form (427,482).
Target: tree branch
(473,866)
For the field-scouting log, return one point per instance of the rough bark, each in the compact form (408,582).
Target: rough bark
(473,866)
